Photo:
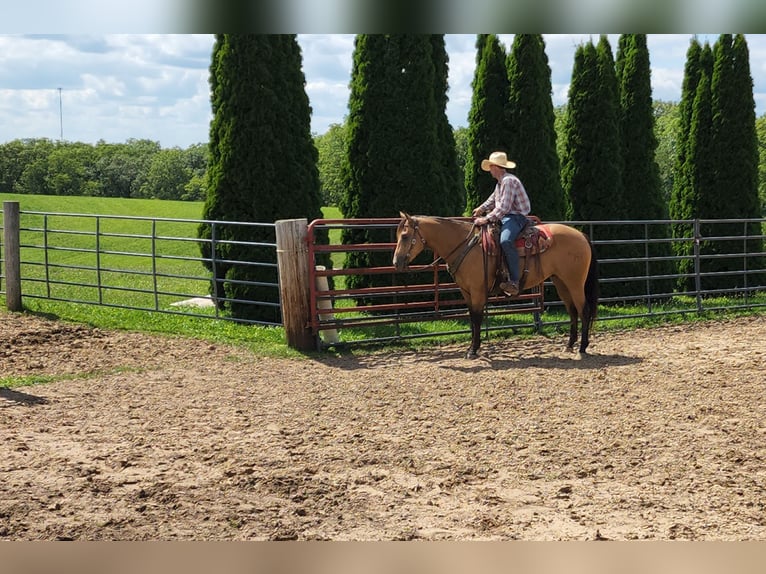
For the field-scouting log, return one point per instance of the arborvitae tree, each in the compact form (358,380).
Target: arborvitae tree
(450,174)
(531,133)
(679,206)
(579,146)
(487,130)
(734,193)
(643,197)
(263,163)
(592,166)
(698,170)
(682,204)
(395,157)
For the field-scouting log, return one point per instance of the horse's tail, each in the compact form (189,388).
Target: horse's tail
(591,286)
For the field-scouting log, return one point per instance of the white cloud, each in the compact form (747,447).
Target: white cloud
(118,87)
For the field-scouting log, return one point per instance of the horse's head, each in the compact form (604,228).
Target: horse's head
(409,242)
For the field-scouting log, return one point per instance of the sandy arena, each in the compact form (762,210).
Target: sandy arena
(659,434)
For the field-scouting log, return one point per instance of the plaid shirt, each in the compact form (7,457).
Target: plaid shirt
(509,197)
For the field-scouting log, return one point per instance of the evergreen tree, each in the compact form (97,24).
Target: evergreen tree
(396,161)
(698,168)
(487,130)
(592,166)
(679,205)
(643,197)
(532,134)
(734,190)
(452,184)
(263,164)
(683,201)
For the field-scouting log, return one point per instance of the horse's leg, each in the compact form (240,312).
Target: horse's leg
(476,318)
(566,298)
(476,314)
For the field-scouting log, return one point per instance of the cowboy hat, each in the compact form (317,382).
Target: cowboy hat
(497,158)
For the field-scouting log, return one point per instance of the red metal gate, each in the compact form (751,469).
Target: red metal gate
(429,298)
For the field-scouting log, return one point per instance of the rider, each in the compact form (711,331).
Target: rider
(508,204)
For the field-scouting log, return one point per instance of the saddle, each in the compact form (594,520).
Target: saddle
(534,238)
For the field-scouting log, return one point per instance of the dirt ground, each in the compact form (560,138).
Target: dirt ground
(659,434)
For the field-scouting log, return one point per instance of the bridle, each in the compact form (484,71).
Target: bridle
(415,235)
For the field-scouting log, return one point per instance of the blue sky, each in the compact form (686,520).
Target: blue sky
(155,86)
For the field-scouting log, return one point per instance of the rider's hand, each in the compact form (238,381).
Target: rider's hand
(481,221)
(476,212)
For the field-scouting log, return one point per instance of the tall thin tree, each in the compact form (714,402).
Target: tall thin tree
(642,189)
(262,166)
(734,193)
(487,130)
(531,130)
(395,161)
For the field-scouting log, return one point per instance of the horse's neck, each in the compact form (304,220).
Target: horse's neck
(443,235)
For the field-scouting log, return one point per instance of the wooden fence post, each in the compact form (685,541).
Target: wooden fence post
(12,255)
(293,264)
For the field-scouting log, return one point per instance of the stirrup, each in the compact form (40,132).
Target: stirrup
(510,288)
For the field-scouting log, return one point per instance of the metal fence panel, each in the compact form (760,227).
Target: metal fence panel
(155,264)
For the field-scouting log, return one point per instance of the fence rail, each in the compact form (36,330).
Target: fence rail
(650,268)
(130,262)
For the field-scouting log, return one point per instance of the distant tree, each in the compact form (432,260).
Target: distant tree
(487,129)
(332,149)
(760,128)
(263,163)
(461,148)
(167,177)
(70,170)
(666,126)
(195,159)
(26,166)
(16,156)
(531,122)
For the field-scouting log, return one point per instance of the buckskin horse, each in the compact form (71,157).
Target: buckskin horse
(566,257)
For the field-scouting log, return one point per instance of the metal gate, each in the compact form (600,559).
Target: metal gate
(424,294)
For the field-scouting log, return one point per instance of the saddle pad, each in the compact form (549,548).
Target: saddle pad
(534,239)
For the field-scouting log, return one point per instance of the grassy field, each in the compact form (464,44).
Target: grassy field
(138,229)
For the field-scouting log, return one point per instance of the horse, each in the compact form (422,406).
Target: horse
(569,261)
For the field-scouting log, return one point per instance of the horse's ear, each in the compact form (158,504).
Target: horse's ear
(404,215)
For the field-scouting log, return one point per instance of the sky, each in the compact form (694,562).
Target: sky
(117,87)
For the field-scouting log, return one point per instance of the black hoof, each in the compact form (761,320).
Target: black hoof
(472,354)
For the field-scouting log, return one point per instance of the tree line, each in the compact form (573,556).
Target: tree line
(135,169)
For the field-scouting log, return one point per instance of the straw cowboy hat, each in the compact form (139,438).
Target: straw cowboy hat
(497,158)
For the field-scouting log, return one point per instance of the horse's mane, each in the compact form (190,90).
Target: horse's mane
(440,219)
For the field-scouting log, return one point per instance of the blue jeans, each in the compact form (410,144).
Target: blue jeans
(510,227)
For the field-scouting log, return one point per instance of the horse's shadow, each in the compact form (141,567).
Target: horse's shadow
(21,398)
(493,358)
(589,362)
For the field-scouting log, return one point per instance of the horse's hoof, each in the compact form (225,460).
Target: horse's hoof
(569,349)
(472,354)
(580,356)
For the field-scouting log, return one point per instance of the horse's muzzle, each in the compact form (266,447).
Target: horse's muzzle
(401,262)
